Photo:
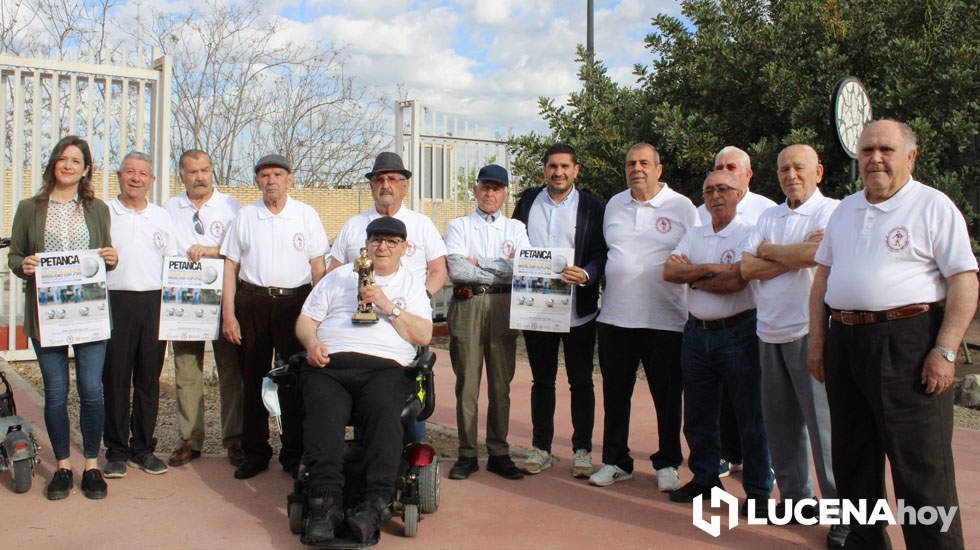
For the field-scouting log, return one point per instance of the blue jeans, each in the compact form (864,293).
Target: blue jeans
(729,358)
(89,359)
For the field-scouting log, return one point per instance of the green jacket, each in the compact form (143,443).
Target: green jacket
(27,239)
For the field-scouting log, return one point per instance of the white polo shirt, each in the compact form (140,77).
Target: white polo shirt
(749,208)
(275,249)
(334,300)
(424,242)
(894,253)
(493,244)
(215,215)
(703,246)
(141,239)
(640,237)
(783,301)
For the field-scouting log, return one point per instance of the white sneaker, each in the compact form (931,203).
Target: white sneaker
(537,461)
(582,466)
(667,479)
(609,474)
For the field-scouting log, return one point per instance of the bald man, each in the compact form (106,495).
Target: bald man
(779,254)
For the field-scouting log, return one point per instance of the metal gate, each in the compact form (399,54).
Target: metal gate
(116,108)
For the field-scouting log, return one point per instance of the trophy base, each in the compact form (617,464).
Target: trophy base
(364,318)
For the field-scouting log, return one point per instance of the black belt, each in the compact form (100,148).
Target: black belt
(465,292)
(273,291)
(846,317)
(727,322)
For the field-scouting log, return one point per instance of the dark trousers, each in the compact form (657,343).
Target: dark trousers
(621,351)
(376,389)
(268,326)
(878,408)
(542,353)
(731,450)
(133,362)
(711,360)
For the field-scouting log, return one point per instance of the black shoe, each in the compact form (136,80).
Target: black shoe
(93,486)
(60,485)
(250,469)
(325,517)
(503,466)
(463,468)
(759,504)
(837,537)
(365,519)
(149,463)
(692,489)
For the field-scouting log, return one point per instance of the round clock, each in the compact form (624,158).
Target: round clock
(852,111)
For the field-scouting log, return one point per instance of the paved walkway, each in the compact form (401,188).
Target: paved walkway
(202,506)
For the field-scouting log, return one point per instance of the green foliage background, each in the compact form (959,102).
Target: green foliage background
(759,75)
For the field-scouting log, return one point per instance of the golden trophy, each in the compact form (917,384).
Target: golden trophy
(364,267)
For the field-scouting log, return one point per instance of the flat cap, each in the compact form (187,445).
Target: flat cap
(386,225)
(273,160)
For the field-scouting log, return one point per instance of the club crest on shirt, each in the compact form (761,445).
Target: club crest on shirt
(663,225)
(217,229)
(400,302)
(411,248)
(158,240)
(509,249)
(897,239)
(299,241)
(728,256)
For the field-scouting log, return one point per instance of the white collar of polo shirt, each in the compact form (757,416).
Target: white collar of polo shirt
(287,211)
(121,209)
(655,201)
(184,201)
(898,199)
(808,208)
(725,232)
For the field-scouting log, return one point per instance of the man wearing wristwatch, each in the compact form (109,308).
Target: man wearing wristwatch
(896,277)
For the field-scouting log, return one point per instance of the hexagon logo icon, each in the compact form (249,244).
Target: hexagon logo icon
(712,526)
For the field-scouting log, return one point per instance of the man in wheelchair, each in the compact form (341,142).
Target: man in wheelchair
(358,366)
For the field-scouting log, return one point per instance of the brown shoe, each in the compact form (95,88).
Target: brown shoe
(236,456)
(182,455)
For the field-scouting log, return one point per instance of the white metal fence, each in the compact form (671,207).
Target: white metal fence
(116,108)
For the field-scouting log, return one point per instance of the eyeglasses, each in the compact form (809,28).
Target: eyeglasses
(708,191)
(384,179)
(392,242)
(198,224)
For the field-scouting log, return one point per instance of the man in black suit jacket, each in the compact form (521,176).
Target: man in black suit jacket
(564,216)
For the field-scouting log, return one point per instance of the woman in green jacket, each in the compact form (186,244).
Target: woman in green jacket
(65,215)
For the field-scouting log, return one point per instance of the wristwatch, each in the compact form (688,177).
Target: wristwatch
(946,354)
(395,312)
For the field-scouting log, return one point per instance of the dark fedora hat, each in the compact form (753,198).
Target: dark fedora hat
(388,162)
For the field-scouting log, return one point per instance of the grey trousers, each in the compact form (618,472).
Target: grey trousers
(189,381)
(794,405)
(479,330)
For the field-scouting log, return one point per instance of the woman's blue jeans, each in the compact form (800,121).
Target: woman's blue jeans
(89,360)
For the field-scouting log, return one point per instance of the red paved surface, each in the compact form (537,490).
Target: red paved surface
(202,506)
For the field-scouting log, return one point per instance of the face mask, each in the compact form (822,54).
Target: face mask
(270,398)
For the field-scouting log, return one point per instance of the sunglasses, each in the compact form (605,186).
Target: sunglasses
(198,224)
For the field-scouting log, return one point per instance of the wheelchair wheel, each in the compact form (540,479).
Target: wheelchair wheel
(296,511)
(411,519)
(429,488)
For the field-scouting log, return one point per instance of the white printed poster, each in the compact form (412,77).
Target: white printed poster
(190,304)
(72,304)
(540,300)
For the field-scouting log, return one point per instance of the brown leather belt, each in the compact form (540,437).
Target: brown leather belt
(846,317)
(727,322)
(273,291)
(465,292)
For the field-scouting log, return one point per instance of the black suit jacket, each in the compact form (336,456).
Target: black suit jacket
(590,245)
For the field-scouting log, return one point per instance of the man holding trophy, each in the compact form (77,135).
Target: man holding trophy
(360,326)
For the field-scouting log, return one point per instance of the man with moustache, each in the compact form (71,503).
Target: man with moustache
(642,316)
(143,235)
(201,217)
(273,255)
(560,215)
(481,265)
(779,255)
(425,254)
(894,293)
(720,349)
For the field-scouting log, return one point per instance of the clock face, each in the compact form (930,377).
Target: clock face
(852,111)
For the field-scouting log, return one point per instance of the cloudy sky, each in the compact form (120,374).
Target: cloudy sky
(486,60)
